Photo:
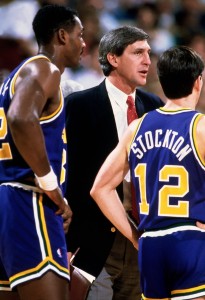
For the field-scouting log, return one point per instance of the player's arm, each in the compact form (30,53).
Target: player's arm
(36,84)
(200,138)
(109,177)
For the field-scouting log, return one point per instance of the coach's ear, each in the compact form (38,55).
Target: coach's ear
(112,59)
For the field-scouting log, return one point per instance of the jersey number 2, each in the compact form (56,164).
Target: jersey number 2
(5,151)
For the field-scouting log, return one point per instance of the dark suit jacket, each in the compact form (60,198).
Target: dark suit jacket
(91,136)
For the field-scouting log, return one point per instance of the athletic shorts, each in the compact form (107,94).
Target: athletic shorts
(32,240)
(172,263)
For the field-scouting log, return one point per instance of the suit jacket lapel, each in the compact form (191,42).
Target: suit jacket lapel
(105,114)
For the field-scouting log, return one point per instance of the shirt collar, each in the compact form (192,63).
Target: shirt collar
(116,94)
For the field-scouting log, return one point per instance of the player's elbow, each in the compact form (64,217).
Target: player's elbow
(93,192)
(15,122)
(18,123)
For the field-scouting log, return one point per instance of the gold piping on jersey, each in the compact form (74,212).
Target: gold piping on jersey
(193,139)
(56,112)
(174,111)
(12,87)
(135,133)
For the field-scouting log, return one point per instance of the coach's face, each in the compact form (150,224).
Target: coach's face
(133,64)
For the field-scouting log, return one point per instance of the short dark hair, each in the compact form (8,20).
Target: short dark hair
(116,41)
(178,68)
(51,18)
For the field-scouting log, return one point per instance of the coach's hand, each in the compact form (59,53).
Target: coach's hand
(200,225)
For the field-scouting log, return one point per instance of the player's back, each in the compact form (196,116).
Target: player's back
(167,171)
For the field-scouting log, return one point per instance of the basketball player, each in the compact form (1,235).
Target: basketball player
(33,213)
(165,151)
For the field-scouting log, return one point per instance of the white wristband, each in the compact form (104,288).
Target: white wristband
(48,182)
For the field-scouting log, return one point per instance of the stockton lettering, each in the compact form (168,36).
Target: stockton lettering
(170,140)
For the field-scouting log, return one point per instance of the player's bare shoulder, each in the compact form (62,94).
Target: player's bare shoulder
(201,124)
(44,77)
(49,77)
(200,134)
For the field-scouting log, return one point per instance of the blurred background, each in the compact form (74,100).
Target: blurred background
(168,23)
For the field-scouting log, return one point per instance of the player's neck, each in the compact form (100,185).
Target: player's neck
(180,104)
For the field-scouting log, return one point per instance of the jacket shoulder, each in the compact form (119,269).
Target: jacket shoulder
(146,102)
(149,96)
(84,94)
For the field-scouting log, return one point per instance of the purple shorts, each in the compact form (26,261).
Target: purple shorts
(32,240)
(172,263)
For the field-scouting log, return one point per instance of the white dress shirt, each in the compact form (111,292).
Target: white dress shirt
(118,102)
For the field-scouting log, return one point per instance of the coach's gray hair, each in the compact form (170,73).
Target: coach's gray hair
(115,42)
